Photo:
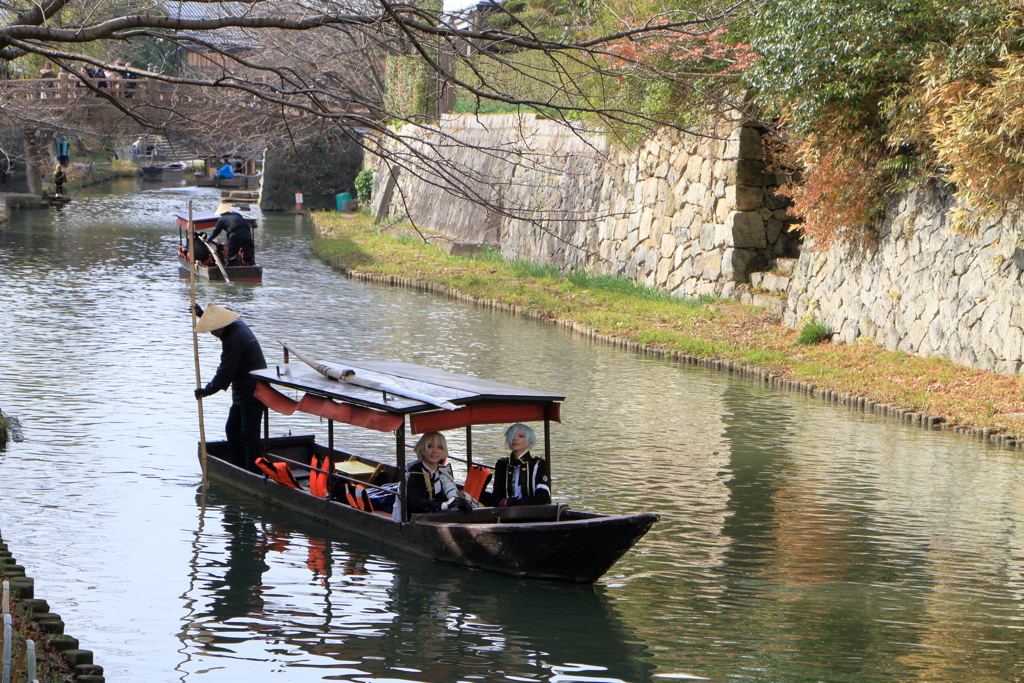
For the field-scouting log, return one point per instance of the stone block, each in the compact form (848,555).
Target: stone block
(61,643)
(697,194)
(744,229)
(664,268)
(750,172)
(738,263)
(75,658)
(772,230)
(707,236)
(744,198)
(712,265)
(692,172)
(668,243)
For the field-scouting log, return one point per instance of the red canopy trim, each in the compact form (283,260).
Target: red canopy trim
(274,399)
(482,414)
(349,414)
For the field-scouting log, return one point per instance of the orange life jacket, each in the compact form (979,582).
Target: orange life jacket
(318,480)
(476,480)
(278,471)
(357,497)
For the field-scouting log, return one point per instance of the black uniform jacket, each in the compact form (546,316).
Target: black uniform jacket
(533,481)
(235,227)
(423,498)
(240,354)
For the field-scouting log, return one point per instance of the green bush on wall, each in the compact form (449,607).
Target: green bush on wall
(364,185)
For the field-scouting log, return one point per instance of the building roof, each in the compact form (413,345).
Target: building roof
(230,37)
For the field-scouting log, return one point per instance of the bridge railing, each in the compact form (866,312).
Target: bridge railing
(66,87)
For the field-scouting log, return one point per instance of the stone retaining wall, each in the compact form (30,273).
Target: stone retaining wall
(921,288)
(692,214)
(44,627)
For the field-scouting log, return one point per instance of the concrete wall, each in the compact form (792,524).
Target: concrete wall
(693,214)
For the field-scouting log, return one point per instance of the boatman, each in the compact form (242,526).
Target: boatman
(241,250)
(241,353)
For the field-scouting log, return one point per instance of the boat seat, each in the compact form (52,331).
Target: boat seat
(360,471)
(476,480)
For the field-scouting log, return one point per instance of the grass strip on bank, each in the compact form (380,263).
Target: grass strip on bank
(702,327)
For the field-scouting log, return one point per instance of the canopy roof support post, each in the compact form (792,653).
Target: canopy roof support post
(330,437)
(400,459)
(469,447)
(266,430)
(547,442)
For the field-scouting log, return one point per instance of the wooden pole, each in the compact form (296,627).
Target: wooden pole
(195,336)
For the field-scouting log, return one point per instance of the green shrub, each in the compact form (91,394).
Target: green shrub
(364,185)
(815,332)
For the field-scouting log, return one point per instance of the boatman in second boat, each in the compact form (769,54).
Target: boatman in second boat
(241,353)
(241,250)
(521,478)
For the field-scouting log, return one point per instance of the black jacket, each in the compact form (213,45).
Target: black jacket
(240,353)
(533,481)
(423,498)
(237,229)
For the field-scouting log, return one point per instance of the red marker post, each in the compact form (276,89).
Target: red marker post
(298,202)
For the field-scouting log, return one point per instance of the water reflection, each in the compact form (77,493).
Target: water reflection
(356,608)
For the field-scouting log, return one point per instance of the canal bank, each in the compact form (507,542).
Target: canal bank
(57,655)
(721,334)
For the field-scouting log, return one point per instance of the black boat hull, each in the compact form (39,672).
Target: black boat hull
(235,273)
(542,541)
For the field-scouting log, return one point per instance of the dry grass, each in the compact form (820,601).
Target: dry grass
(721,329)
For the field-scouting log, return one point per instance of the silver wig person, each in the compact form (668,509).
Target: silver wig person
(430,437)
(510,433)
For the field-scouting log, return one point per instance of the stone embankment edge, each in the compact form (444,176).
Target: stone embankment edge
(758,374)
(24,602)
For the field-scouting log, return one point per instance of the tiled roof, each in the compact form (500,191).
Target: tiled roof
(232,36)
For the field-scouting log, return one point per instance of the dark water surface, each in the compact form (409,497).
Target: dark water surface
(798,542)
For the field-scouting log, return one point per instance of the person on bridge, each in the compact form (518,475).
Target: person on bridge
(521,478)
(241,250)
(241,353)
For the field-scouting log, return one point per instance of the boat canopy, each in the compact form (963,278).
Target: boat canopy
(478,401)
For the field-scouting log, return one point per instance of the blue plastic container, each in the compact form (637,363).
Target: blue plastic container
(341,199)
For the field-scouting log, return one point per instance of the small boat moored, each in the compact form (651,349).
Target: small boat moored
(172,171)
(206,264)
(543,541)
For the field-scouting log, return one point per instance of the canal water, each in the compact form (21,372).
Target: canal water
(798,541)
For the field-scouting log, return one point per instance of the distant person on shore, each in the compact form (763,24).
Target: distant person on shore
(59,178)
(521,478)
(241,353)
(63,152)
(431,485)
(241,249)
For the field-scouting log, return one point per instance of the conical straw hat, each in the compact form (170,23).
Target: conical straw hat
(214,318)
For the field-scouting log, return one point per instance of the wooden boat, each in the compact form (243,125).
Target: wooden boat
(206,267)
(238,181)
(172,171)
(544,541)
(245,174)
